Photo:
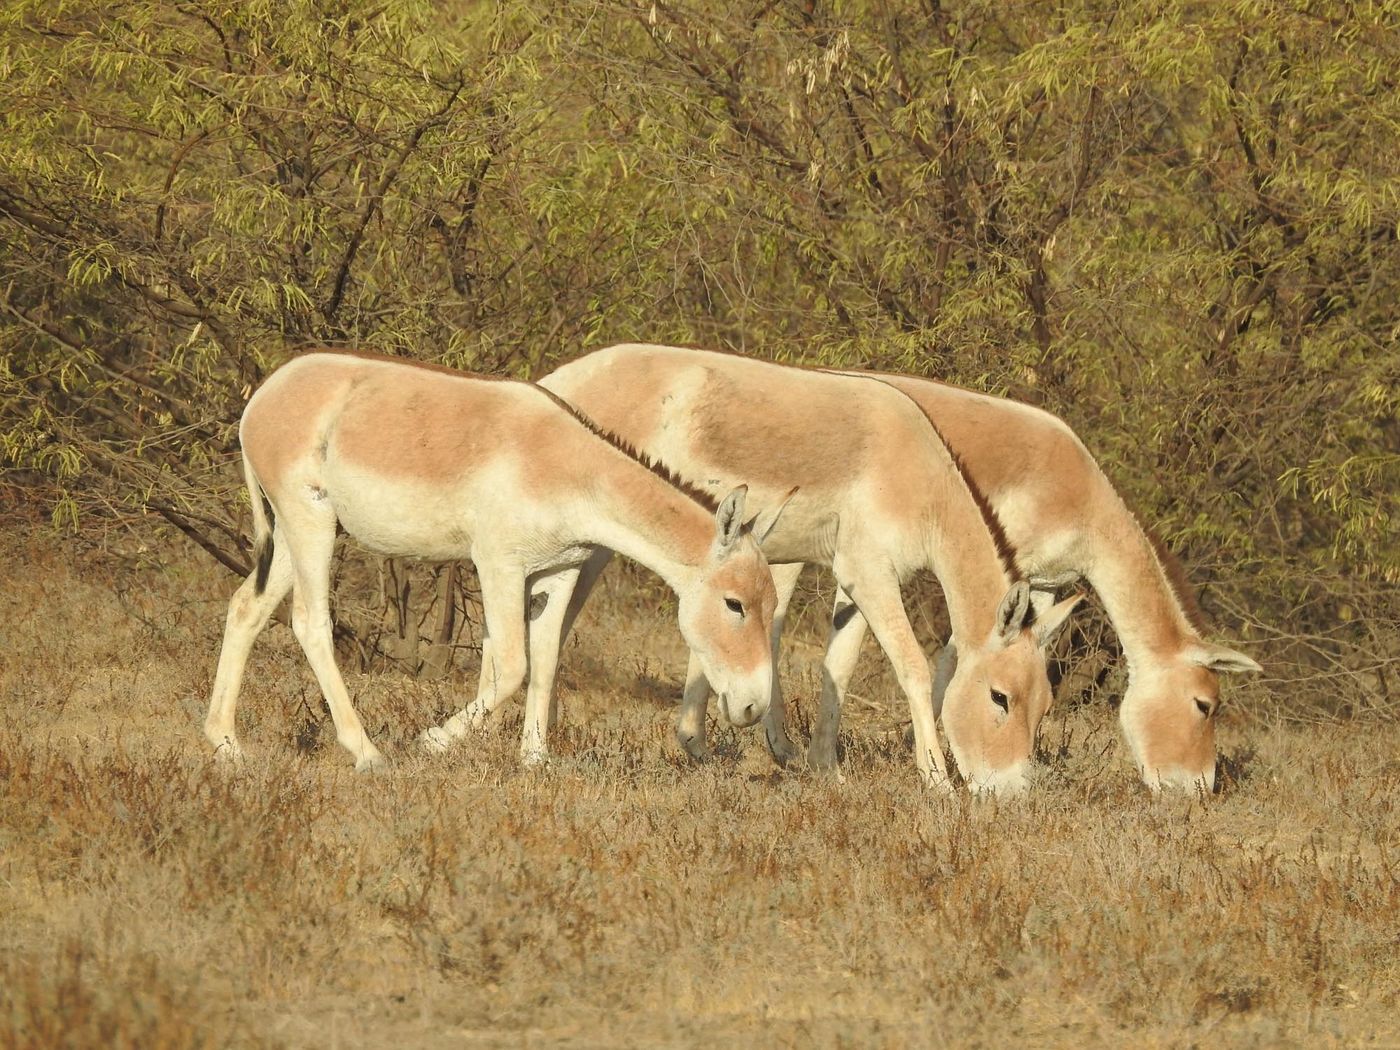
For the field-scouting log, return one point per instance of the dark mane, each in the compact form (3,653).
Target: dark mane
(1006,553)
(629,450)
(1177,580)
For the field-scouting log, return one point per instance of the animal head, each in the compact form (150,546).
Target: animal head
(994,691)
(726,613)
(1168,714)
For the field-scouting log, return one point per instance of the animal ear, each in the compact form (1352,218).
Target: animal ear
(729,519)
(1014,611)
(1049,619)
(1221,659)
(763,523)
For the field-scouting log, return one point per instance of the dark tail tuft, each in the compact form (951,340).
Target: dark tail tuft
(264,562)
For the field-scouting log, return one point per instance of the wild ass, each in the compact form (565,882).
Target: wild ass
(878,498)
(426,462)
(1063,516)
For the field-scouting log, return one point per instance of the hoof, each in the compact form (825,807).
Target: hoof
(784,751)
(371,763)
(695,746)
(821,759)
(436,740)
(227,750)
(939,786)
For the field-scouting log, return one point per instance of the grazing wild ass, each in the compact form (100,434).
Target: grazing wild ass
(878,498)
(1063,516)
(425,462)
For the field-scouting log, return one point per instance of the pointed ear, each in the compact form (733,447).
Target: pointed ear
(1013,612)
(729,519)
(763,523)
(1049,620)
(1221,659)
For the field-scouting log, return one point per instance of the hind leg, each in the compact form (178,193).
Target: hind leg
(248,613)
(311,537)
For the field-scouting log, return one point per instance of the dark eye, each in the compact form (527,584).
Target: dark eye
(1204,706)
(1000,699)
(734,605)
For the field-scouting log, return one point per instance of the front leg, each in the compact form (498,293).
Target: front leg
(503,655)
(690,730)
(876,591)
(780,745)
(441,738)
(571,604)
(944,667)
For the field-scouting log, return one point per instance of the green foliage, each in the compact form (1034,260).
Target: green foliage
(1175,224)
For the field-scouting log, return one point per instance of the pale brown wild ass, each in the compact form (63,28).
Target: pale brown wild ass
(1062,515)
(424,462)
(878,498)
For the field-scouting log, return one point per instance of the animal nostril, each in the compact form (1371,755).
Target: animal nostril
(1205,707)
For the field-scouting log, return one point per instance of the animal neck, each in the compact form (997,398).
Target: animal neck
(965,558)
(647,519)
(1127,574)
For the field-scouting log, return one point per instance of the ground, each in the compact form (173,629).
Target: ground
(623,895)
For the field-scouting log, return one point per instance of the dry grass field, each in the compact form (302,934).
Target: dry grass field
(624,896)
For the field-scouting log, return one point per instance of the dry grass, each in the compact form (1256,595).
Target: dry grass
(150,897)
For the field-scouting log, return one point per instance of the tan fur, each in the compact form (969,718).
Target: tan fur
(878,498)
(1061,513)
(1173,746)
(824,461)
(431,463)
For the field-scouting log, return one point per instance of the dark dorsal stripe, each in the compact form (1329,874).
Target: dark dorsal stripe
(1177,580)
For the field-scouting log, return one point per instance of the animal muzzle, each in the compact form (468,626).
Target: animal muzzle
(746,705)
(1179,778)
(1013,780)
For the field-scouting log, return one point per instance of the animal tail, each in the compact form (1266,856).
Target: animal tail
(262,526)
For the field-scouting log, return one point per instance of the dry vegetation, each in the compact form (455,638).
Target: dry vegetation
(150,897)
